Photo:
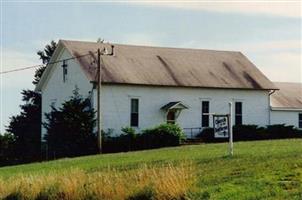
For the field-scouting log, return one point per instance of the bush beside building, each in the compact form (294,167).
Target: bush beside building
(163,135)
(254,132)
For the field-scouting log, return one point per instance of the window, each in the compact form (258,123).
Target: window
(238,113)
(134,113)
(64,66)
(300,120)
(205,114)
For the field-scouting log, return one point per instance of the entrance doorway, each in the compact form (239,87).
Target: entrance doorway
(171,117)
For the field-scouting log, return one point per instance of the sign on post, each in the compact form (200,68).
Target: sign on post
(221,126)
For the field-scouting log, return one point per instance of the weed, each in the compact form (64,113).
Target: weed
(146,182)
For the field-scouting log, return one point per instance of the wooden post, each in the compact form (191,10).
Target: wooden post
(99,128)
(231,128)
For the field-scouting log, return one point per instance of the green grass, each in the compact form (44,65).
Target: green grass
(258,170)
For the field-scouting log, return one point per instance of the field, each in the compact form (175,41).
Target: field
(258,170)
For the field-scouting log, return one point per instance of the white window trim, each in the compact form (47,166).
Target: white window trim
(299,121)
(242,110)
(209,100)
(130,97)
(205,99)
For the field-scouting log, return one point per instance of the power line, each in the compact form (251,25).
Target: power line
(21,69)
(50,63)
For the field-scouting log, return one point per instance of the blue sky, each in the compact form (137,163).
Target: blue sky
(268,34)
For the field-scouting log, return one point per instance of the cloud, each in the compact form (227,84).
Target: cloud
(13,59)
(275,8)
(283,66)
(253,47)
(140,39)
(272,46)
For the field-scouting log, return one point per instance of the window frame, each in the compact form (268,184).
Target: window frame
(134,115)
(238,115)
(300,120)
(205,117)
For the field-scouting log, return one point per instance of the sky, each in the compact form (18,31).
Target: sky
(267,32)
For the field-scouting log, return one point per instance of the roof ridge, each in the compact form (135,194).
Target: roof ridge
(147,46)
(287,82)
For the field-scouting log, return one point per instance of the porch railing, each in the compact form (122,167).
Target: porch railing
(191,133)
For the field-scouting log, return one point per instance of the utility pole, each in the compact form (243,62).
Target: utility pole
(99,101)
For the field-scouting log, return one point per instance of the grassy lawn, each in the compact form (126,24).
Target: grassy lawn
(258,170)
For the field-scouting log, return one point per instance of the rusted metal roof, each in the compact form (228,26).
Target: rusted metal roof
(160,66)
(288,97)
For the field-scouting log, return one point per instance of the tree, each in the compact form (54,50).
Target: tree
(26,126)
(70,128)
(45,56)
(7,152)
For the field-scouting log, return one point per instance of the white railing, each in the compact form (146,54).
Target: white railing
(191,133)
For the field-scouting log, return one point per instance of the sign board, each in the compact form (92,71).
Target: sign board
(221,126)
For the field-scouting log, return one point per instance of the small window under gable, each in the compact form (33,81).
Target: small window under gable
(65,71)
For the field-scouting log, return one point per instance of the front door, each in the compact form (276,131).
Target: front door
(171,117)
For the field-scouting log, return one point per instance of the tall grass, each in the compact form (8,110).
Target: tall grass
(146,182)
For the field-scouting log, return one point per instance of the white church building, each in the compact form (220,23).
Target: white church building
(144,86)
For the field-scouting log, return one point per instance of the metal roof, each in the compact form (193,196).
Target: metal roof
(289,97)
(175,104)
(160,66)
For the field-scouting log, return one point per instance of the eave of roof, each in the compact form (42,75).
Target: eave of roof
(285,109)
(173,86)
